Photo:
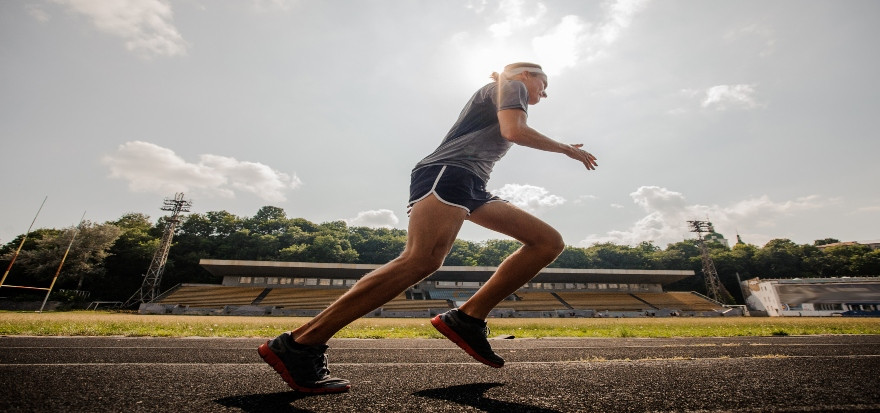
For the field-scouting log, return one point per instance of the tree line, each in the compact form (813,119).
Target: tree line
(109,259)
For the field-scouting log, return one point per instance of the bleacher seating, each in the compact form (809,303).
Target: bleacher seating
(683,301)
(400,303)
(454,295)
(603,301)
(215,296)
(302,298)
(209,296)
(533,301)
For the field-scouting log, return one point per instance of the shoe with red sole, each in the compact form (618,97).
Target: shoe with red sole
(303,368)
(468,333)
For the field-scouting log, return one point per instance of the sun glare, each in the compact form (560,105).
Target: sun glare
(475,57)
(479,62)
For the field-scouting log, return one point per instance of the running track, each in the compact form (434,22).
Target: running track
(744,374)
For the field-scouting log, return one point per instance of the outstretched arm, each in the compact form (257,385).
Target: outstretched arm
(514,128)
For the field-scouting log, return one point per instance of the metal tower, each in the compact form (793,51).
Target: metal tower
(150,288)
(715,290)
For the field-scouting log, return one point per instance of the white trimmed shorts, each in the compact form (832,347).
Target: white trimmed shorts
(452,185)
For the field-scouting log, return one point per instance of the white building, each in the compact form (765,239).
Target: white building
(813,296)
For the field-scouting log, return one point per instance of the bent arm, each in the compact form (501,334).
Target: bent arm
(515,129)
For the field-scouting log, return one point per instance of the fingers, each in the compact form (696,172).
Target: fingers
(591,165)
(585,157)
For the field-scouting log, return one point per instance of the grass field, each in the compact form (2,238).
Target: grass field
(91,323)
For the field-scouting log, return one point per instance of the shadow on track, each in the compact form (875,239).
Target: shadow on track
(272,402)
(472,395)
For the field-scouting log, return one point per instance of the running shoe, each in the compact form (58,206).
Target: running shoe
(470,335)
(303,368)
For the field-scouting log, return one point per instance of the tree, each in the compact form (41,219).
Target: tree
(377,245)
(463,253)
(85,259)
(223,223)
(846,260)
(780,258)
(744,259)
(305,225)
(196,225)
(492,252)
(112,265)
(608,255)
(825,241)
(683,255)
(572,257)
(867,263)
(129,258)
(19,274)
(323,248)
(268,220)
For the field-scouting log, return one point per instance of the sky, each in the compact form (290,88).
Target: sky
(759,116)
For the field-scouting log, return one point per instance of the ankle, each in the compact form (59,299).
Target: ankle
(302,341)
(468,318)
(290,340)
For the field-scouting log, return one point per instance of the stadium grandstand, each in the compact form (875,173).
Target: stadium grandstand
(304,289)
(813,297)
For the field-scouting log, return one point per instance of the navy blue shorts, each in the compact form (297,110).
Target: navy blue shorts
(452,185)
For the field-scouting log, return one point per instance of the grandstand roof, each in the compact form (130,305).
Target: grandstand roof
(446,273)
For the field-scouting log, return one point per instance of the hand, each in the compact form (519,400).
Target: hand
(579,154)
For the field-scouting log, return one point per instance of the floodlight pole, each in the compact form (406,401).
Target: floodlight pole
(150,287)
(714,288)
(14,256)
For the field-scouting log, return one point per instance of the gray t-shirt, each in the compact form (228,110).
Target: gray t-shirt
(475,142)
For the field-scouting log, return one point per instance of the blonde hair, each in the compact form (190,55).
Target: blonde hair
(514,69)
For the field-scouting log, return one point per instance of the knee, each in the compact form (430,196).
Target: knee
(550,244)
(556,245)
(421,265)
(427,267)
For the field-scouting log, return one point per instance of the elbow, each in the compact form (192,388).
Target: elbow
(513,135)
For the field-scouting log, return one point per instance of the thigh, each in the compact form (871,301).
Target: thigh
(512,221)
(433,226)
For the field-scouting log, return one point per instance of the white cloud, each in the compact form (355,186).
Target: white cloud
(668,212)
(619,17)
(151,168)
(561,47)
(764,35)
(572,40)
(272,5)
(382,218)
(761,211)
(476,5)
(253,177)
(719,97)
(37,12)
(528,197)
(516,17)
(722,97)
(585,198)
(145,25)
(556,45)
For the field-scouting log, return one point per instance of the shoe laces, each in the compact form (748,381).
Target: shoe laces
(319,363)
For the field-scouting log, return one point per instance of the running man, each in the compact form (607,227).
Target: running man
(447,188)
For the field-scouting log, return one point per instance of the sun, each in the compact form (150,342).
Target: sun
(478,59)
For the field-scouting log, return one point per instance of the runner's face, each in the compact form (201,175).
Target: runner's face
(536,85)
